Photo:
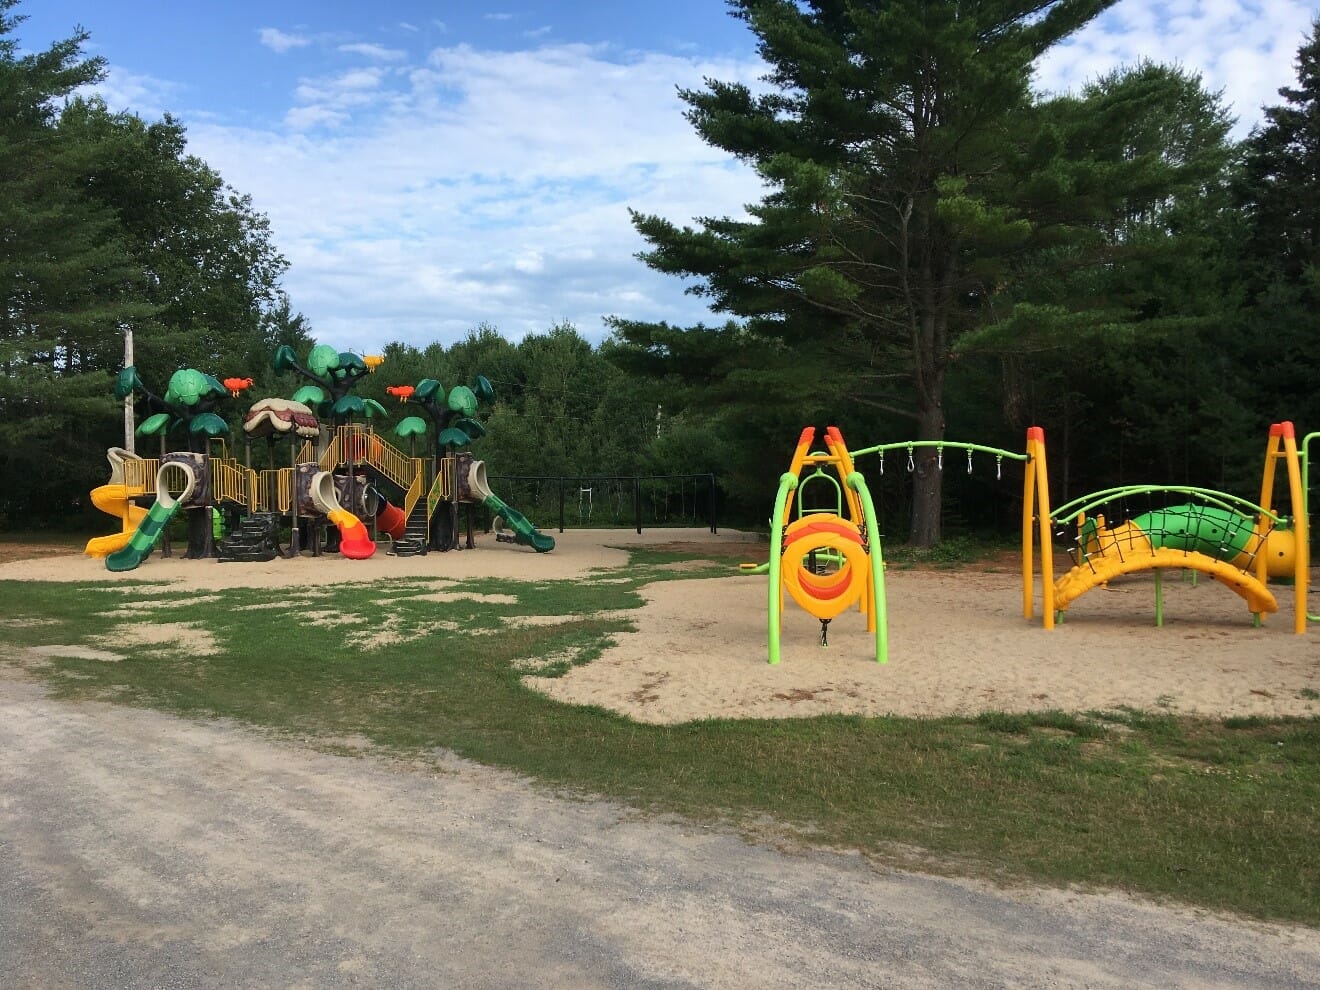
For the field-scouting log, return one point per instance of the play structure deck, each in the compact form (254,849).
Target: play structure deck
(339,485)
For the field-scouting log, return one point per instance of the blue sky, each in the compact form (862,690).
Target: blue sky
(430,166)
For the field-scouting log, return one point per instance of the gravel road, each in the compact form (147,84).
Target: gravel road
(142,850)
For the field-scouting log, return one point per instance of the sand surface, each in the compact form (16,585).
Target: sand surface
(958,643)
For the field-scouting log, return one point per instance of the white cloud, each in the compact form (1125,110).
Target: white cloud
(144,95)
(379,52)
(278,41)
(1245,48)
(483,186)
(417,200)
(332,101)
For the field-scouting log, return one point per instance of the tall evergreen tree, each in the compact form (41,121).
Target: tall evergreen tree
(67,281)
(107,223)
(209,267)
(915,183)
(1280,196)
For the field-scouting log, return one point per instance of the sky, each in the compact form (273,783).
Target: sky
(429,166)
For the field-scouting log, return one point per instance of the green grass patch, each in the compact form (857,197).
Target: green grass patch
(1219,813)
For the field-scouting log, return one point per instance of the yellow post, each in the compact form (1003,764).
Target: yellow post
(1301,527)
(1263,522)
(1036,496)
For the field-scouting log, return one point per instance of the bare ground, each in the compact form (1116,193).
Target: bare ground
(142,850)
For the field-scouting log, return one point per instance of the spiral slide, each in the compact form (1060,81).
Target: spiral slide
(149,530)
(354,542)
(524,532)
(113,499)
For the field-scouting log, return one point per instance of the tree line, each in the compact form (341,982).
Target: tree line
(942,253)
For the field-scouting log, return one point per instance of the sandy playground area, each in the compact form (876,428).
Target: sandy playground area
(958,643)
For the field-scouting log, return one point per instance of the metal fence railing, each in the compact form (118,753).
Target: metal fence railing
(602,501)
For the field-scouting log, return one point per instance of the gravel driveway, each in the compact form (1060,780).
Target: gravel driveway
(141,850)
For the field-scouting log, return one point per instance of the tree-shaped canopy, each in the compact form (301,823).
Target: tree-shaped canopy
(190,397)
(452,412)
(332,376)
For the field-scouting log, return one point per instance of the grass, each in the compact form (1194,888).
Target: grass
(1218,813)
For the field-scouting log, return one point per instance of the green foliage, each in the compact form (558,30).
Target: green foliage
(154,425)
(923,202)
(108,223)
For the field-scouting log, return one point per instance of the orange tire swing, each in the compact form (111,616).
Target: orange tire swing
(829,595)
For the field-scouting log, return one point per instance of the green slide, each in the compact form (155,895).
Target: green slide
(524,532)
(148,533)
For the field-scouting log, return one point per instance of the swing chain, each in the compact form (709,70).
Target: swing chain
(911,465)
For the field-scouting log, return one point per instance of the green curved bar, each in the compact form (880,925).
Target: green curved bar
(1222,500)
(941,444)
(787,483)
(858,484)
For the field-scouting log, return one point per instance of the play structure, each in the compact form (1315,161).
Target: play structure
(148,533)
(345,488)
(828,558)
(114,498)
(1238,543)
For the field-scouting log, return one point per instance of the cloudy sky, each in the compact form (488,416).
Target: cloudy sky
(430,165)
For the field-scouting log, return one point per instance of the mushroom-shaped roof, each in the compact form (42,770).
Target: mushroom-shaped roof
(280,417)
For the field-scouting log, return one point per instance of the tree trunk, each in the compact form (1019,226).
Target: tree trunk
(927,478)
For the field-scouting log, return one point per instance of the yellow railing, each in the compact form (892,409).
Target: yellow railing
(353,443)
(140,475)
(271,490)
(412,495)
(275,490)
(442,489)
(232,482)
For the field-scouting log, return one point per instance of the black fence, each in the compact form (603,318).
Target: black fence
(603,501)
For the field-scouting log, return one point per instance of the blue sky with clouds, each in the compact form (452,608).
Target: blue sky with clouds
(430,166)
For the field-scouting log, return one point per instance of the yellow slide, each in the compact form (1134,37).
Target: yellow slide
(113,499)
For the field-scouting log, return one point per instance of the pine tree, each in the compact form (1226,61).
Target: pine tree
(1280,197)
(915,183)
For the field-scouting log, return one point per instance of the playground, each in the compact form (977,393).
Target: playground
(957,639)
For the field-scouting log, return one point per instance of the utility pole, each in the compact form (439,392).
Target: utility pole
(130,425)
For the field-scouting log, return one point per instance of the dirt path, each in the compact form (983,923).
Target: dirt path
(141,850)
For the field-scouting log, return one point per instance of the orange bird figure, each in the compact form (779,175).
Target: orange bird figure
(401,391)
(237,385)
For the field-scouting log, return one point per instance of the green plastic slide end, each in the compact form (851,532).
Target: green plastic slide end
(524,532)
